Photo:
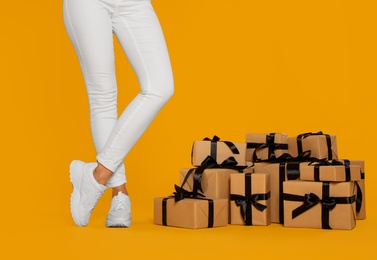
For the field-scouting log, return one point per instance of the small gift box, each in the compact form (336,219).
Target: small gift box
(326,205)
(250,199)
(265,146)
(279,172)
(321,146)
(191,212)
(219,150)
(330,171)
(213,183)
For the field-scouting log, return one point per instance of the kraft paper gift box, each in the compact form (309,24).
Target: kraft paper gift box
(321,146)
(279,172)
(265,146)
(326,205)
(330,172)
(191,213)
(250,199)
(360,185)
(219,150)
(214,182)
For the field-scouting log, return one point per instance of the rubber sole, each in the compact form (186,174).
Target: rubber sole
(118,224)
(75,174)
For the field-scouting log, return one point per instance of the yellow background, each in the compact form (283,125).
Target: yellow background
(239,66)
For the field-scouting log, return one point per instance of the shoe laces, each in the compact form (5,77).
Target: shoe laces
(120,202)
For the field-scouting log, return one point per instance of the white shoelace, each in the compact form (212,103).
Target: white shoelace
(120,202)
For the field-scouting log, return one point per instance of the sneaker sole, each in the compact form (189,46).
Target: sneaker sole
(75,174)
(118,224)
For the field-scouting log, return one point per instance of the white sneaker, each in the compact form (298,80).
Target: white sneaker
(120,211)
(86,191)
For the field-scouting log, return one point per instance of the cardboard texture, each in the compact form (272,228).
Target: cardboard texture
(317,144)
(329,173)
(342,216)
(362,213)
(215,182)
(260,184)
(274,170)
(279,138)
(201,149)
(191,213)
(248,170)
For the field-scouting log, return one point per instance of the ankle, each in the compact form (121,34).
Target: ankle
(101,174)
(121,188)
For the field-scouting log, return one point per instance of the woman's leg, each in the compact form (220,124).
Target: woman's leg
(89,26)
(138,29)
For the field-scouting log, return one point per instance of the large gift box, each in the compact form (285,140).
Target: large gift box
(213,183)
(321,146)
(250,199)
(191,213)
(330,171)
(279,172)
(265,146)
(360,185)
(326,205)
(219,150)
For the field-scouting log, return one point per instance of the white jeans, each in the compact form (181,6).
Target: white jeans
(90,25)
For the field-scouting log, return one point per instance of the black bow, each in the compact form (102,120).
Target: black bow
(310,200)
(245,202)
(180,194)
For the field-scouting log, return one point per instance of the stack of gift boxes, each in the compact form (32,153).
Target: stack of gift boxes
(296,181)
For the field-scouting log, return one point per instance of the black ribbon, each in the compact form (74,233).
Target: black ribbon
(286,157)
(214,141)
(289,171)
(181,194)
(270,144)
(359,194)
(311,199)
(245,202)
(210,163)
(305,135)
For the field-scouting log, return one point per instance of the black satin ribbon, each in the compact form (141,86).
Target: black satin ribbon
(311,199)
(359,194)
(289,171)
(320,163)
(210,163)
(181,194)
(245,202)
(270,144)
(305,135)
(286,157)
(214,141)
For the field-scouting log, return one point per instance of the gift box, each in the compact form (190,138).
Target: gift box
(250,199)
(326,205)
(213,183)
(360,185)
(279,172)
(322,146)
(265,146)
(219,150)
(191,213)
(330,171)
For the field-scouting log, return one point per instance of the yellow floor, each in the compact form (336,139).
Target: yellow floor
(56,237)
